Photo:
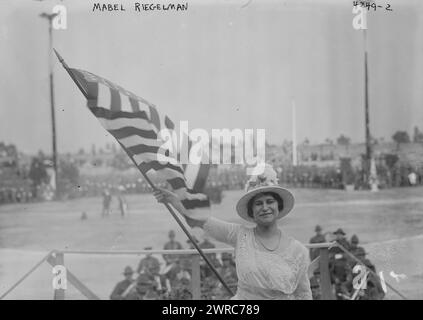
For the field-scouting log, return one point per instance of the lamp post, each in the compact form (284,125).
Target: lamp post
(366,105)
(50,18)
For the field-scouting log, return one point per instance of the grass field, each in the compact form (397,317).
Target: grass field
(389,223)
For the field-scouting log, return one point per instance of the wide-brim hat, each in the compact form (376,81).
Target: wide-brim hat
(128,270)
(265,181)
(339,231)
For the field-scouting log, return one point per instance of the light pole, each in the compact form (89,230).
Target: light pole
(366,105)
(50,18)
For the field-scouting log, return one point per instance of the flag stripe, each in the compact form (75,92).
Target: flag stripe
(191,204)
(177,183)
(103,96)
(135,104)
(146,166)
(130,131)
(107,114)
(120,123)
(148,156)
(92,88)
(115,103)
(169,123)
(166,174)
(125,104)
(143,148)
(154,117)
(137,140)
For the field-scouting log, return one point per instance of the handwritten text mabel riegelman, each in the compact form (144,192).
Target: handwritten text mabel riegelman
(138,7)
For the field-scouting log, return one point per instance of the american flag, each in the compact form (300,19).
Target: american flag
(136,123)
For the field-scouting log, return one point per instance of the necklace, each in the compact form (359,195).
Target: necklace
(262,244)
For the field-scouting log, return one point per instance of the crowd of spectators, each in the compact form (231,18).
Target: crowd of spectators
(171,279)
(32,182)
(348,281)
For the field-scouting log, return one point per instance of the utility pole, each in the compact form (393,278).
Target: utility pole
(50,18)
(366,104)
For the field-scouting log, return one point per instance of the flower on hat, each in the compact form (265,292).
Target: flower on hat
(266,178)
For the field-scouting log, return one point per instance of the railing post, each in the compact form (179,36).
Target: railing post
(325,282)
(59,260)
(195,277)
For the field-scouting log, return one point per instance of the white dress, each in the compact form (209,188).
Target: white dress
(270,275)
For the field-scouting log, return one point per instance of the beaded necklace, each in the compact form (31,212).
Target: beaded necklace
(262,244)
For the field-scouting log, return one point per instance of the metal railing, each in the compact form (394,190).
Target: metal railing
(57,258)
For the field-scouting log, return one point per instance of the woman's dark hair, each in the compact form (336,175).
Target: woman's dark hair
(274,195)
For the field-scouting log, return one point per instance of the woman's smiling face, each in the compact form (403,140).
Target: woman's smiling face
(265,209)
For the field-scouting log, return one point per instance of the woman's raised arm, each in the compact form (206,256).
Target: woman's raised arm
(166,196)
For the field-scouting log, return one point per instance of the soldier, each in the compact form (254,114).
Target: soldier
(340,238)
(205,270)
(172,244)
(338,263)
(123,205)
(228,271)
(181,290)
(361,255)
(107,198)
(146,287)
(318,238)
(186,259)
(149,264)
(122,290)
(354,246)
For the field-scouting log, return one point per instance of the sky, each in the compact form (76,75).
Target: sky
(220,64)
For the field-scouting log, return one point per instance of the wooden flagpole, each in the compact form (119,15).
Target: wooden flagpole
(172,212)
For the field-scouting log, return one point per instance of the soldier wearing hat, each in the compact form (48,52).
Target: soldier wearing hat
(228,272)
(340,239)
(361,255)
(123,288)
(205,269)
(149,264)
(338,262)
(318,238)
(146,286)
(354,247)
(172,244)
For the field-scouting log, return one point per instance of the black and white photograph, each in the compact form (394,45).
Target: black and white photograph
(215,150)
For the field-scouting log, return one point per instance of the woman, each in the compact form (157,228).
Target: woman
(269,263)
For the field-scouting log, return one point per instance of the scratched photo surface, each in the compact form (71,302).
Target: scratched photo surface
(334,86)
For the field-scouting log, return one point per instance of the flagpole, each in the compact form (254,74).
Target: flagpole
(172,212)
(50,18)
